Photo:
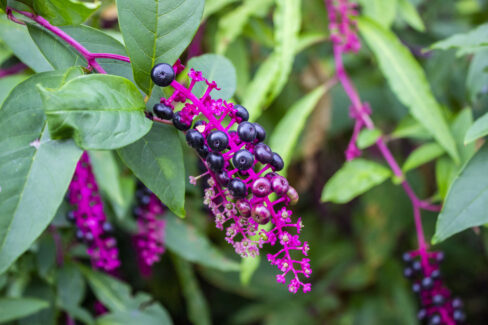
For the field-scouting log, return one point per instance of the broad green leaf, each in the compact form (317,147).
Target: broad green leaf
(70,286)
(410,128)
(5,52)
(459,127)
(445,172)
(35,171)
(9,83)
(467,200)
(249,265)
(65,12)
(153,315)
(97,111)
(465,42)
(19,41)
(157,31)
(157,160)
(46,256)
(15,308)
(478,130)
(354,178)
(368,137)
(408,82)
(213,6)
(422,155)
(477,78)
(197,306)
(383,12)
(410,14)
(185,241)
(215,68)
(288,130)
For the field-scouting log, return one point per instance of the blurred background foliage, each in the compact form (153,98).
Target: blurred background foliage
(355,248)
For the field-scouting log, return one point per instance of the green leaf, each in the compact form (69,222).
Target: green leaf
(157,160)
(465,42)
(71,286)
(157,31)
(215,68)
(19,41)
(410,128)
(408,81)
(184,240)
(249,265)
(30,196)
(9,83)
(368,137)
(288,130)
(213,6)
(422,155)
(410,14)
(445,172)
(477,78)
(198,310)
(459,127)
(15,308)
(382,12)
(98,111)
(354,178)
(65,12)
(467,200)
(149,316)
(478,130)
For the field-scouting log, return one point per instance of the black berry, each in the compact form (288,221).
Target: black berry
(260,132)
(438,300)
(243,159)
(178,123)
(459,316)
(457,303)
(422,314)
(408,272)
(80,235)
(107,227)
(435,320)
(162,74)
(417,266)
(215,161)
(242,113)
(203,151)
(246,132)
(277,163)
(436,274)
(427,283)
(223,178)
(70,216)
(416,287)
(406,257)
(237,188)
(263,153)
(163,111)
(194,139)
(217,140)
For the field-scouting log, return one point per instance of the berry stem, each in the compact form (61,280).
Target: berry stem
(16,68)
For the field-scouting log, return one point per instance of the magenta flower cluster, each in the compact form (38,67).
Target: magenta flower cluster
(342,27)
(89,217)
(248,199)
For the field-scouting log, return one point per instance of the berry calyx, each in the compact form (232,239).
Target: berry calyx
(215,161)
(237,188)
(277,162)
(194,139)
(217,140)
(163,111)
(261,187)
(246,132)
(162,74)
(243,159)
(263,153)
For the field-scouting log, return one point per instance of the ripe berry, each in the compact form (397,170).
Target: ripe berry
(260,132)
(438,300)
(237,188)
(277,163)
(457,303)
(217,140)
(436,274)
(215,161)
(280,185)
(406,257)
(416,287)
(242,113)
(263,153)
(180,125)
(408,272)
(163,111)
(79,234)
(70,216)
(162,74)
(243,207)
(223,178)
(292,195)
(261,214)
(89,237)
(145,200)
(203,151)
(107,227)
(261,187)
(246,132)
(427,283)
(459,316)
(417,266)
(439,256)
(422,314)
(194,139)
(435,320)
(243,159)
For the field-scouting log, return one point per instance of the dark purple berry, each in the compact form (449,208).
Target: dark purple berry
(217,140)
(89,237)
(427,283)
(215,161)
(435,320)
(194,139)
(261,214)
(203,151)
(137,211)
(436,274)
(178,123)
(145,199)
(237,188)
(70,216)
(242,113)
(270,175)
(408,272)
(162,74)
(438,300)
(457,303)
(422,314)
(246,132)
(459,316)
(222,178)
(80,235)
(263,153)
(417,266)
(406,257)
(280,185)
(439,256)
(243,207)
(260,132)
(277,163)
(261,187)
(163,111)
(107,227)
(416,287)
(243,159)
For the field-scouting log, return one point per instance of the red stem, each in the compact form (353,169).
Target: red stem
(16,68)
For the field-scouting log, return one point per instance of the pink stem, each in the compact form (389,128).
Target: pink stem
(16,68)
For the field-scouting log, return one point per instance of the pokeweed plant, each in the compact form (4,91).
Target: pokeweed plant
(90,91)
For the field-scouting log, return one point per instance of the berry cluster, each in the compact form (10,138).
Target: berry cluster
(245,193)
(89,217)
(437,306)
(149,239)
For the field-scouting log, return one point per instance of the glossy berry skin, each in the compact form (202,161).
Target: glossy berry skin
(241,113)
(162,111)
(107,227)
(237,188)
(459,316)
(438,300)
(408,272)
(260,132)
(417,266)
(279,185)
(277,163)
(436,274)
(406,257)
(222,178)
(70,216)
(178,123)
(263,153)
(260,214)
(261,187)
(435,320)
(217,140)
(203,151)
(416,287)
(246,132)
(422,314)
(162,74)
(457,303)
(243,159)
(243,207)
(194,139)
(215,161)
(427,283)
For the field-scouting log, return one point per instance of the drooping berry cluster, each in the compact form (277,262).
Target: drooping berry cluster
(89,217)
(149,239)
(341,26)
(436,305)
(245,193)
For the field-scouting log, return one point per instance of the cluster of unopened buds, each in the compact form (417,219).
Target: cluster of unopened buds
(342,27)
(149,239)
(245,194)
(89,217)
(436,305)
